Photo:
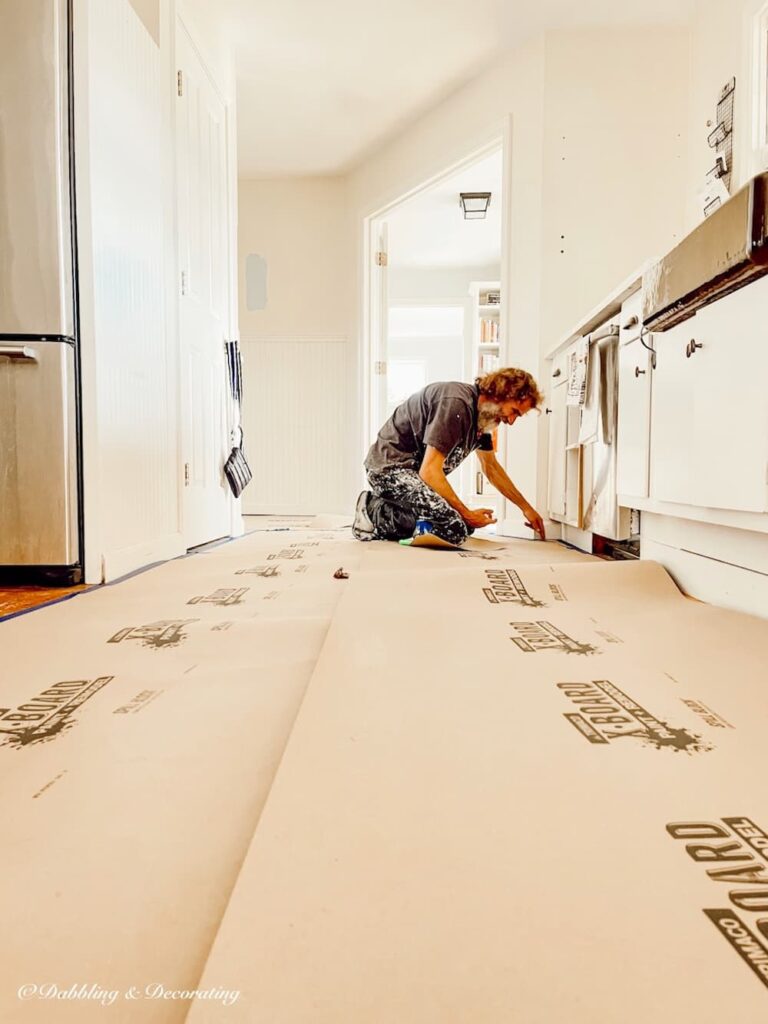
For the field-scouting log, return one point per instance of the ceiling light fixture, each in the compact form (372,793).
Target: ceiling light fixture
(475,204)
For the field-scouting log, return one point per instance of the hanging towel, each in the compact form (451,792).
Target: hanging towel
(598,415)
(589,428)
(578,370)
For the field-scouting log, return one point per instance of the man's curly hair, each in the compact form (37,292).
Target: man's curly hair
(503,385)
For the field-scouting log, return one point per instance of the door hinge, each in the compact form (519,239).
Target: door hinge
(180,83)
(183,282)
(381,259)
(186,474)
(380,368)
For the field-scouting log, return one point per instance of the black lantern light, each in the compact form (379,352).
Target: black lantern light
(475,204)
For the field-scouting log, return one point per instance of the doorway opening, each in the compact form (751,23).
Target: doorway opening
(435,308)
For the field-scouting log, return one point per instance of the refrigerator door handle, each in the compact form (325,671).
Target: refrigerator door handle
(21,354)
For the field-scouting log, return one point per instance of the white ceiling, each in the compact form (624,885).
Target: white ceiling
(430,231)
(321,83)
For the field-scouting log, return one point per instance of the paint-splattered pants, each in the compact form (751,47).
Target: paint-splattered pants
(399,497)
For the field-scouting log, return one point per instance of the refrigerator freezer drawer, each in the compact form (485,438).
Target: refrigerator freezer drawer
(38,463)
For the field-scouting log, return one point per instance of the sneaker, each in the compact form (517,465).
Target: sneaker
(362,527)
(424,536)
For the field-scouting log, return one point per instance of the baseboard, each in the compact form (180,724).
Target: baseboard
(125,560)
(708,579)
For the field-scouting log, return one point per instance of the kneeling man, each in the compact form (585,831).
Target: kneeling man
(424,440)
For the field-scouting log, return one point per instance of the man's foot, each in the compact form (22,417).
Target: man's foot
(362,527)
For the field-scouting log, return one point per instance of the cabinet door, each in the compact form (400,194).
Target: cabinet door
(673,440)
(730,399)
(558,427)
(634,424)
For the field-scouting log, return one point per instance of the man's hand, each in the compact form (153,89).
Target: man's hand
(477,518)
(534,520)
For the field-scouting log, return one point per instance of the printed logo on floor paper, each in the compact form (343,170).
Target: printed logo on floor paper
(478,554)
(137,703)
(222,597)
(543,636)
(259,570)
(707,714)
(606,713)
(286,553)
(733,855)
(505,586)
(49,713)
(155,635)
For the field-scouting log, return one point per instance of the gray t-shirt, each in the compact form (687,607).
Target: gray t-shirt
(441,415)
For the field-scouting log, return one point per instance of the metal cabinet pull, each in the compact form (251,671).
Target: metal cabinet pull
(23,354)
(557,372)
(691,347)
(638,371)
(632,322)
(547,411)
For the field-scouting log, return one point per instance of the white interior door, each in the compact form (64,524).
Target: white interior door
(203,240)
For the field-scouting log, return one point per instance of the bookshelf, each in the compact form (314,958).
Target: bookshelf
(485,356)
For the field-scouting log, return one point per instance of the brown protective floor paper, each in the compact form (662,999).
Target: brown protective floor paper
(128,814)
(531,794)
(140,728)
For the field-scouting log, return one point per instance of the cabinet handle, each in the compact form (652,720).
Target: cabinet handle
(638,371)
(691,347)
(547,411)
(632,322)
(479,483)
(557,372)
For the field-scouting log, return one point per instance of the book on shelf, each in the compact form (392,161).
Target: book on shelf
(489,331)
(488,362)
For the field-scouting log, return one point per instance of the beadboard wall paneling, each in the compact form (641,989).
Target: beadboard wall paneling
(296,423)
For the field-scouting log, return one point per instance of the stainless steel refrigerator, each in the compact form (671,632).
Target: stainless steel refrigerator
(40,467)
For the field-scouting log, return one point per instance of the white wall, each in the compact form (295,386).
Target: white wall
(615,153)
(299,226)
(425,284)
(297,400)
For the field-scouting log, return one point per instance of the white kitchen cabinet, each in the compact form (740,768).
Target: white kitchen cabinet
(709,433)
(558,433)
(634,421)
(673,441)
